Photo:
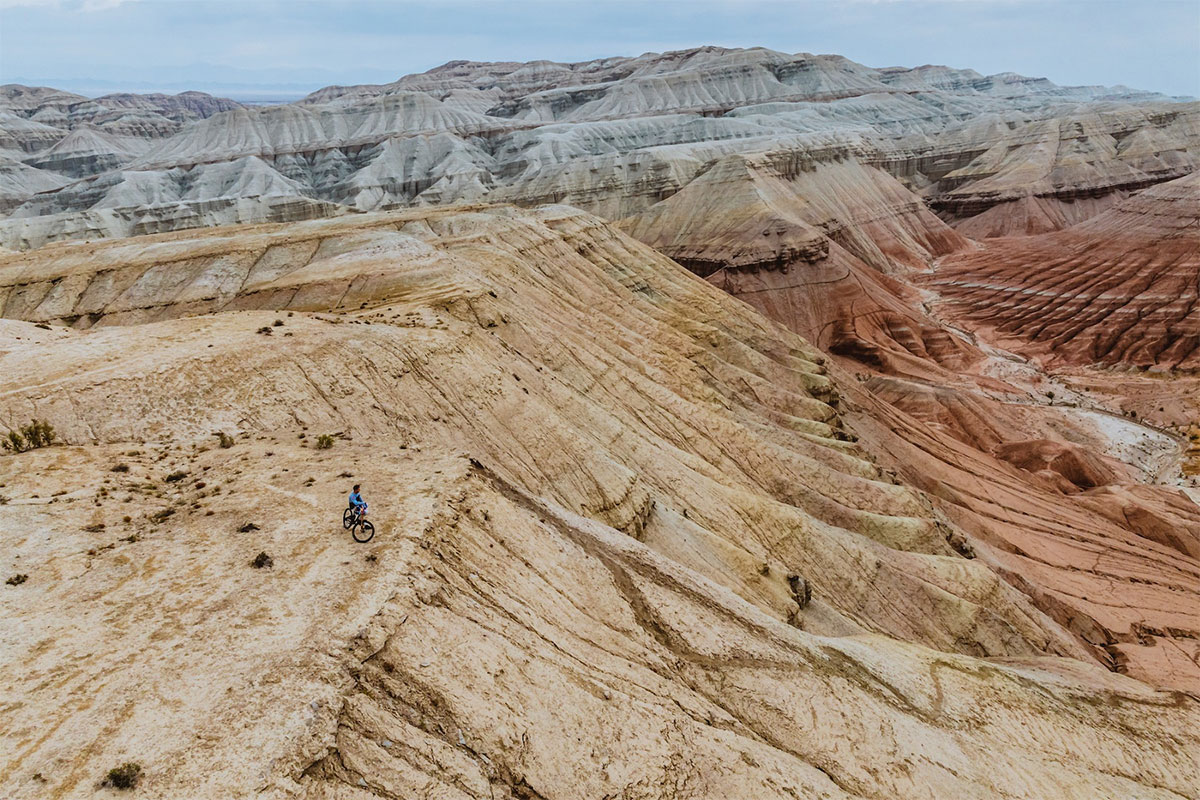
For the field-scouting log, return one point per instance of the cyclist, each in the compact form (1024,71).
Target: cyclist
(357,502)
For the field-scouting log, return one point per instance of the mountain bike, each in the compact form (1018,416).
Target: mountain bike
(362,530)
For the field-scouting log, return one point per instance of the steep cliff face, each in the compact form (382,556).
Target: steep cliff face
(633,537)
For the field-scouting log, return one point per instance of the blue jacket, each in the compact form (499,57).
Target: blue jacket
(356,500)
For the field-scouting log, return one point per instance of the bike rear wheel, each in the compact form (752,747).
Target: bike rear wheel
(363,532)
(348,518)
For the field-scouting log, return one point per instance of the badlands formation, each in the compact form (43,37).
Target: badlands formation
(736,424)
(993,154)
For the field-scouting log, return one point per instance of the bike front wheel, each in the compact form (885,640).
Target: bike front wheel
(363,533)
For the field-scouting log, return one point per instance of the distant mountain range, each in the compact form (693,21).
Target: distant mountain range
(613,136)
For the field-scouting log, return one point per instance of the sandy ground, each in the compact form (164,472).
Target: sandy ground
(635,540)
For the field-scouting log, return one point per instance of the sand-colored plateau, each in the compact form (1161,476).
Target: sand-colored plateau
(634,538)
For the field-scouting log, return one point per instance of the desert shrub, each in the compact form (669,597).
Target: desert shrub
(324,441)
(95,527)
(17,580)
(175,477)
(277,323)
(121,468)
(265,330)
(262,561)
(248,527)
(159,516)
(38,433)
(125,776)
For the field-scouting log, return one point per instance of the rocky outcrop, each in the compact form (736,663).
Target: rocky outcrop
(1070,468)
(19,136)
(182,107)
(290,129)
(1097,561)
(133,204)
(67,110)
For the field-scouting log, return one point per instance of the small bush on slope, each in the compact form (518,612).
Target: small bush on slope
(38,433)
(124,777)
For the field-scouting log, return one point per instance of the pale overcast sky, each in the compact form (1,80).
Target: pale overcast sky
(284,47)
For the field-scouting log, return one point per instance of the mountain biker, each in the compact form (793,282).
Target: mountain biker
(357,502)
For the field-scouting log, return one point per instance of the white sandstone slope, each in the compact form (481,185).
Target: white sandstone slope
(420,169)
(18,181)
(132,203)
(277,130)
(993,154)
(88,151)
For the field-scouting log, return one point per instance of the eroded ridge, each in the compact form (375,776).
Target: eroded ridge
(616,506)
(994,155)
(1120,289)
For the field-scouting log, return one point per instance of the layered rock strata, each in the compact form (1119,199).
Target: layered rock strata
(993,155)
(627,539)
(1119,289)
